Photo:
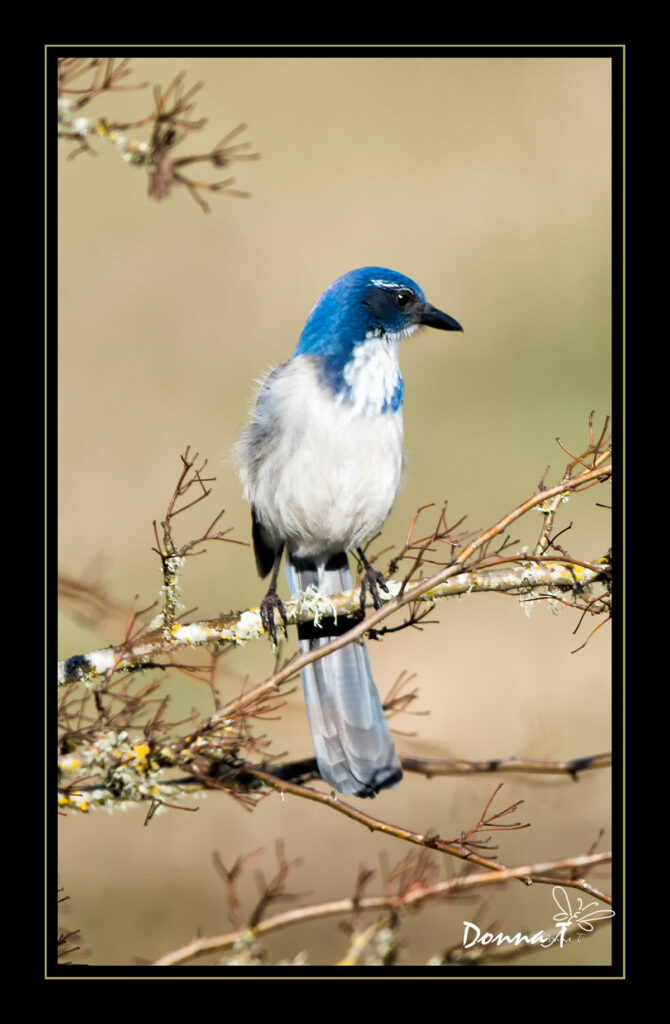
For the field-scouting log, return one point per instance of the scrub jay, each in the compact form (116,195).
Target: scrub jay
(320,463)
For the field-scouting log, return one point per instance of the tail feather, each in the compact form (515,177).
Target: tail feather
(353,744)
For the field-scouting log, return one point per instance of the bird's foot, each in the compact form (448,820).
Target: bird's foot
(371,580)
(271,603)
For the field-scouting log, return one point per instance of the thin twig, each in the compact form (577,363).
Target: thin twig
(412,899)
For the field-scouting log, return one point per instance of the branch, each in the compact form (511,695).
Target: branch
(461,848)
(144,778)
(170,122)
(411,899)
(113,750)
(431,766)
(532,575)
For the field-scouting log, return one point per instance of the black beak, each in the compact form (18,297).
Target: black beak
(432,317)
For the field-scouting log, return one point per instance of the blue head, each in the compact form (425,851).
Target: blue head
(361,306)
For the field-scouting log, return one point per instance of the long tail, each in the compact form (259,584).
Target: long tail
(352,740)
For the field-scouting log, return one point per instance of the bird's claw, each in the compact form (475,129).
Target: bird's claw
(372,580)
(269,604)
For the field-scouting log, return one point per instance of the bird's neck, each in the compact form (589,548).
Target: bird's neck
(369,377)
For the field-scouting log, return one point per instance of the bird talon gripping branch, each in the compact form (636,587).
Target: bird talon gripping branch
(371,580)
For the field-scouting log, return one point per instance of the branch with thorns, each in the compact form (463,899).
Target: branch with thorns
(82,80)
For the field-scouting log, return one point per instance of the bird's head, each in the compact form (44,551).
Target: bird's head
(370,302)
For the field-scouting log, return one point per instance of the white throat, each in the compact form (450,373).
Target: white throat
(372,375)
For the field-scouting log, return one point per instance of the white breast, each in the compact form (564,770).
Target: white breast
(321,475)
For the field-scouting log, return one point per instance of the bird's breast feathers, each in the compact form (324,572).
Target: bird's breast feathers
(321,469)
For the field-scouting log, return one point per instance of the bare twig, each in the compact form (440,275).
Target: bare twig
(171,122)
(453,847)
(413,897)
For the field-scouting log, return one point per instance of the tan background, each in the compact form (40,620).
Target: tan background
(488,182)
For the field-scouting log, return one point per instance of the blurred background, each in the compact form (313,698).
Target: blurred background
(486,180)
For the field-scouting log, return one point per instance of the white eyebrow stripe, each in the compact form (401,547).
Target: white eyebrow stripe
(386,284)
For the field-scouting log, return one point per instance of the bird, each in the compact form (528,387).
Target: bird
(320,462)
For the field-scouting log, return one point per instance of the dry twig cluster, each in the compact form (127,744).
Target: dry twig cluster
(82,80)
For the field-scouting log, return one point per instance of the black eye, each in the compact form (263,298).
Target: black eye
(403,297)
